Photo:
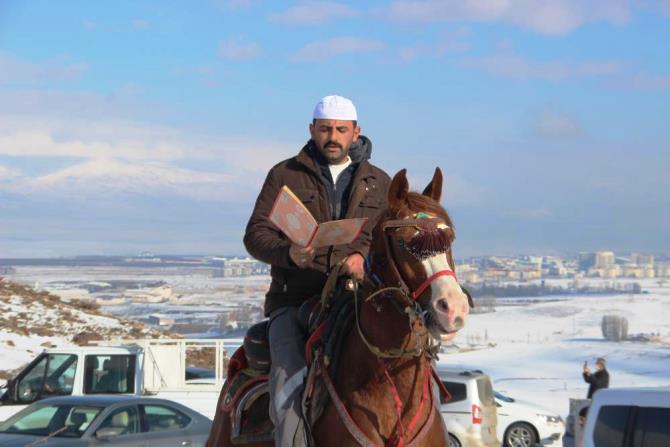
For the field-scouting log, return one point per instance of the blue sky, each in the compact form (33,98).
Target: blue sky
(129,125)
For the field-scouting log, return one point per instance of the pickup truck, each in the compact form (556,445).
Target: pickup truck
(156,367)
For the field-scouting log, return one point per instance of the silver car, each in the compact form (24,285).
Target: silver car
(105,420)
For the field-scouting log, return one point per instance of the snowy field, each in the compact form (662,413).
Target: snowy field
(536,352)
(195,294)
(532,351)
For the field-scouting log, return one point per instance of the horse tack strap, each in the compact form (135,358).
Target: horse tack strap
(400,437)
(349,423)
(424,285)
(356,432)
(443,388)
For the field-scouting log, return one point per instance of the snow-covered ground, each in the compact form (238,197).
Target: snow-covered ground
(537,351)
(532,351)
(195,295)
(31,321)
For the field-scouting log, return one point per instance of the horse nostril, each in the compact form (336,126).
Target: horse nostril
(459,323)
(441,305)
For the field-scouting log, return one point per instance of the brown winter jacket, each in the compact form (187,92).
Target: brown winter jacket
(291,286)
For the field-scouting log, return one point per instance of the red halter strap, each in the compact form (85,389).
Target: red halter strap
(424,285)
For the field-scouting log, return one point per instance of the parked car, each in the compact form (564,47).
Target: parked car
(524,424)
(155,367)
(105,420)
(470,415)
(626,417)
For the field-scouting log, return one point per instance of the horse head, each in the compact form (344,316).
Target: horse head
(412,244)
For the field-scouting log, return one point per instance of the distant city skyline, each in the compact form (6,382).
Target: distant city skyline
(151,126)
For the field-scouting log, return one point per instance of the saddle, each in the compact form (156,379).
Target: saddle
(246,398)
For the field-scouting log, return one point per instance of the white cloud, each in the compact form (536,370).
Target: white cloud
(554,17)
(324,50)
(130,156)
(237,176)
(237,49)
(103,177)
(35,136)
(314,13)
(452,41)
(508,64)
(554,124)
(106,156)
(7,173)
(31,136)
(17,71)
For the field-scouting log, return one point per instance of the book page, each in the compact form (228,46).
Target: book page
(338,232)
(293,218)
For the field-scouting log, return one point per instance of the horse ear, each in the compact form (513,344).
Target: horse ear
(434,188)
(398,189)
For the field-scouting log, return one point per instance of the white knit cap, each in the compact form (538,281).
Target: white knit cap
(335,107)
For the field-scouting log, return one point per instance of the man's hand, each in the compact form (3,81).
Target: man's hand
(354,266)
(587,370)
(301,256)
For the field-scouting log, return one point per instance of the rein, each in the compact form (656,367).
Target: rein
(412,308)
(414,314)
(430,348)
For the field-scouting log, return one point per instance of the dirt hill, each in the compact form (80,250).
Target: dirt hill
(32,320)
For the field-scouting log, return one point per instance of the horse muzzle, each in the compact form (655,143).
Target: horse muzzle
(450,313)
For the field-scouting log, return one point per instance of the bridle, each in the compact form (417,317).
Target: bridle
(430,348)
(409,297)
(420,224)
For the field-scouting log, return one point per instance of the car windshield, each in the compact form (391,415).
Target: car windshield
(65,421)
(501,396)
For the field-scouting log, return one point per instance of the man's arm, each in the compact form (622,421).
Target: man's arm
(262,239)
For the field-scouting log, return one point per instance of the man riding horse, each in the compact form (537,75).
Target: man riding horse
(334,179)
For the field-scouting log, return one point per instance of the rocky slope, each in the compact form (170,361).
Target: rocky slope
(32,320)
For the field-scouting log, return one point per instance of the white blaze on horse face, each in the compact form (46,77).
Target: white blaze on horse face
(446,290)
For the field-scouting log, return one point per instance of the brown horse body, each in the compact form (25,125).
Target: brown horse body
(370,395)
(388,399)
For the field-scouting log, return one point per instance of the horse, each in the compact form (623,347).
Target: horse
(381,393)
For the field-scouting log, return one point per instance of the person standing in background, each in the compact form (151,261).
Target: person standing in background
(597,380)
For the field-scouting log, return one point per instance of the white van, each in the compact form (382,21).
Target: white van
(470,415)
(627,417)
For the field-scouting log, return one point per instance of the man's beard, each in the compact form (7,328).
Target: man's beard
(334,156)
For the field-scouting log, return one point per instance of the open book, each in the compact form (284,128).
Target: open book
(296,222)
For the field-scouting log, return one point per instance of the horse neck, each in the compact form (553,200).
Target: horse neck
(387,329)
